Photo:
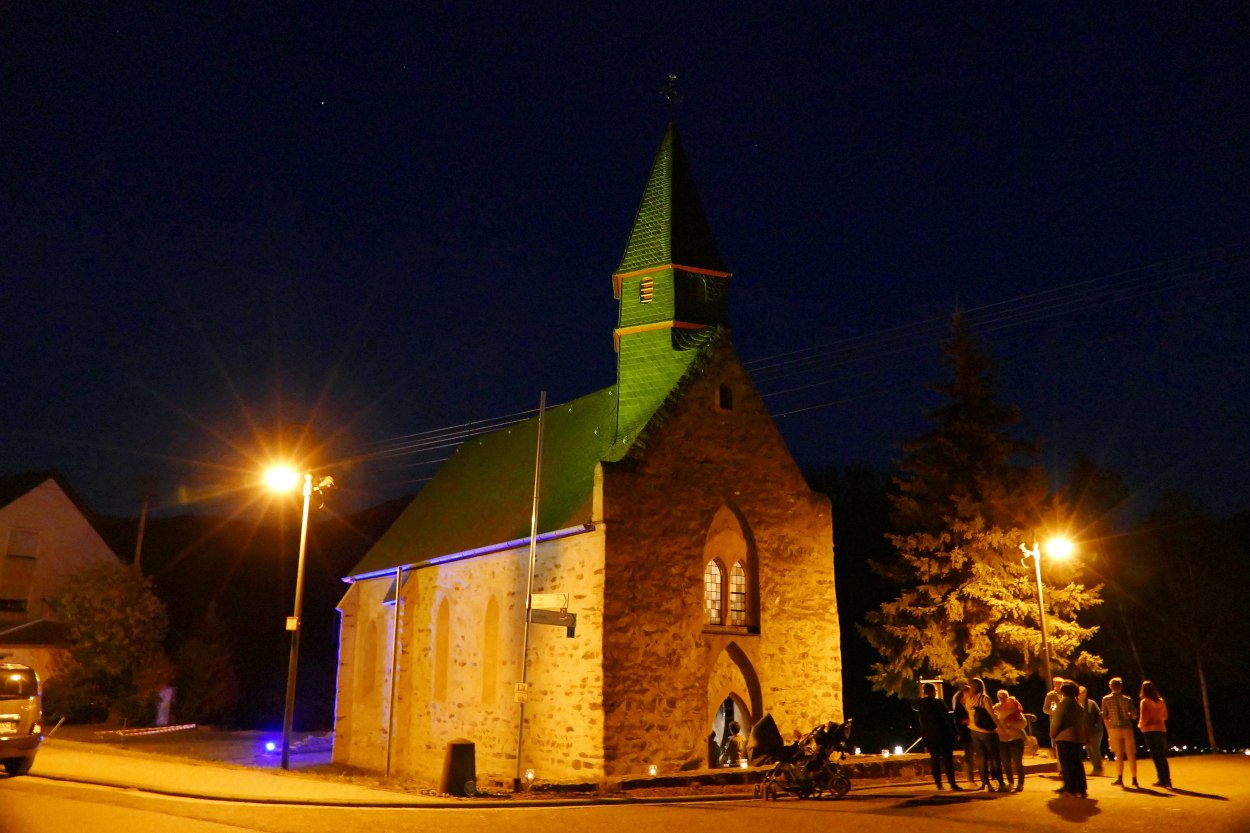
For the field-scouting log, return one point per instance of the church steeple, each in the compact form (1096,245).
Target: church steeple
(672,287)
(671,228)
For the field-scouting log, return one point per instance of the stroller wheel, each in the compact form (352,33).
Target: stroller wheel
(841,786)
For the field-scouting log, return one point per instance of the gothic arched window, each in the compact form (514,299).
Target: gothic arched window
(713,594)
(738,595)
(730,574)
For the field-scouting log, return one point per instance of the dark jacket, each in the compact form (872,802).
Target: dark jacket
(1068,722)
(936,726)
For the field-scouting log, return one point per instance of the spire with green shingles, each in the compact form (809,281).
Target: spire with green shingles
(673,289)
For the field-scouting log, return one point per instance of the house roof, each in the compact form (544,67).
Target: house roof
(35,632)
(14,486)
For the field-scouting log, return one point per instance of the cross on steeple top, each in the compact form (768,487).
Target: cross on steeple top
(671,94)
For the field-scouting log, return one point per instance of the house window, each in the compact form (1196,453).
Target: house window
(738,595)
(713,594)
(18,570)
(725,398)
(646,290)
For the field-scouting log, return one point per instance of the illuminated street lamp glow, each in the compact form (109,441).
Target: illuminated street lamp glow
(282,479)
(1060,548)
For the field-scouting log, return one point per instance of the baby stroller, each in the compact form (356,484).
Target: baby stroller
(808,768)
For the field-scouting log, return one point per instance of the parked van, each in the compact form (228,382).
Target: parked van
(21,717)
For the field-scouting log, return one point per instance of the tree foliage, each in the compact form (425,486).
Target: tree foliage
(116,626)
(962,508)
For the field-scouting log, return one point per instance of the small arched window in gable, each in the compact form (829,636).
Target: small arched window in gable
(725,398)
(738,595)
(713,594)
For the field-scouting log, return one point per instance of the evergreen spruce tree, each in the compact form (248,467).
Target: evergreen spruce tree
(964,503)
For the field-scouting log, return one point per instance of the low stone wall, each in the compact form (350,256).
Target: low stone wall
(857,767)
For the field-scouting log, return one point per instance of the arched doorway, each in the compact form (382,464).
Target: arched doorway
(733,696)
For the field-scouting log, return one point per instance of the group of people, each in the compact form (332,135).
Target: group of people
(1118,714)
(992,733)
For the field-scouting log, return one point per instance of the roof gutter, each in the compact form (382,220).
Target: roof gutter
(554,535)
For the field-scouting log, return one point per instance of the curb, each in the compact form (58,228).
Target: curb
(503,802)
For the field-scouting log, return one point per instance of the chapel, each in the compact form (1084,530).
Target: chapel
(683,571)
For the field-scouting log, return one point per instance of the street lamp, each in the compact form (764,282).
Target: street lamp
(281,479)
(1057,548)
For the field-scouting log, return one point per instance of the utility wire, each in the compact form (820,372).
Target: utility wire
(1230,262)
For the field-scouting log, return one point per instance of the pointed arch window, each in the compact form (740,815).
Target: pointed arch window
(713,594)
(738,595)
(730,575)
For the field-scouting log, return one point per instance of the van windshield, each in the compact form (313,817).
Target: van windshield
(17,684)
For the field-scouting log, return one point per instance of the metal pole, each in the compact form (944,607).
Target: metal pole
(288,712)
(529,586)
(1036,553)
(390,726)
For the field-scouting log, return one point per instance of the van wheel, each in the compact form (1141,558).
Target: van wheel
(18,766)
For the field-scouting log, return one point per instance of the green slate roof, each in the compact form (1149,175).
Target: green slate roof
(671,226)
(483,495)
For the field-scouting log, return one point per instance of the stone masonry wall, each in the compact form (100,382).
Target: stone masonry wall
(470,694)
(660,661)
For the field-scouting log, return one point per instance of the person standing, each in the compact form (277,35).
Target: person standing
(960,710)
(735,747)
(984,728)
(938,731)
(1093,730)
(1048,709)
(1153,725)
(1067,730)
(1011,725)
(1118,715)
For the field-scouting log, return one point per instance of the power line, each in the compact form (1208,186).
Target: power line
(1229,262)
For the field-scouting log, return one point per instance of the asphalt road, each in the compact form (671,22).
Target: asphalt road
(1213,796)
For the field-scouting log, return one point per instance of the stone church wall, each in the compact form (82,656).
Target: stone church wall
(461,631)
(660,661)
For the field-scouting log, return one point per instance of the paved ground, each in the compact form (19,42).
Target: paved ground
(236,766)
(206,782)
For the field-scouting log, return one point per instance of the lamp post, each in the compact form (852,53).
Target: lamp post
(1058,548)
(283,479)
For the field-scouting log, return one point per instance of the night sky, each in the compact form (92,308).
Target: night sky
(383,219)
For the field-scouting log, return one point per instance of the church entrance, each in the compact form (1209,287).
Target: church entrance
(723,750)
(733,697)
